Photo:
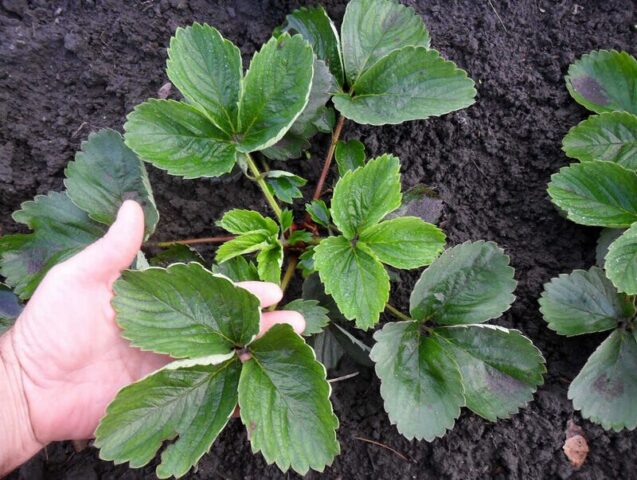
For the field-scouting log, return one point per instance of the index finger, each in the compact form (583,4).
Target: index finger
(268,293)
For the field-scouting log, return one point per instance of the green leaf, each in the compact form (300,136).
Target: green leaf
(354,347)
(354,277)
(60,231)
(469,283)
(501,368)
(286,219)
(275,91)
(349,156)
(328,350)
(600,194)
(606,237)
(374,28)
(604,80)
(317,28)
(237,269)
(285,185)
(176,254)
(420,201)
(584,301)
(184,311)
(306,262)
(10,307)
(244,244)
(104,174)
(609,136)
(412,83)
(193,404)
(420,383)
(404,242)
(178,138)
(606,388)
(318,212)
(269,261)
(240,221)
(285,405)
(621,261)
(316,318)
(207,70)
(364,196)
(298,236)
(292,145)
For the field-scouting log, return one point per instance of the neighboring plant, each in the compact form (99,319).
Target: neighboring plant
(380,71)
(601,191)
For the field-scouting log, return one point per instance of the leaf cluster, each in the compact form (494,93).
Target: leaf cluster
(601,190)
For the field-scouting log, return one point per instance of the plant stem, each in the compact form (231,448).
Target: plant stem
(328,158)
(397,312)
(264,186)
(191,241)
(289,273)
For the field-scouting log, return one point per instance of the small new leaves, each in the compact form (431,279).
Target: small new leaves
(187,312)
(285,185)
(428,373)
(351,265)
(584,301)
(604,80)
(226,114)
(315,315)
(596,193)
(469,283)
(255,233)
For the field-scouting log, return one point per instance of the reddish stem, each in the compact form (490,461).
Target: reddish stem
(193,241)
(328,158)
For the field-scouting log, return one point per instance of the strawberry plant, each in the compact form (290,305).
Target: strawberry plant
(601,190)
(379,70)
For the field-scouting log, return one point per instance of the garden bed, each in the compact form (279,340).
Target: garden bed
(69,68)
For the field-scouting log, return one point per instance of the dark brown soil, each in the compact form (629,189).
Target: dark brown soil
(71,67)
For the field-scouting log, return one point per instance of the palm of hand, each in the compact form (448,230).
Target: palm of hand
(69,346)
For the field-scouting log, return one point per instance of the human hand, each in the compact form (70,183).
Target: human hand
(68,346)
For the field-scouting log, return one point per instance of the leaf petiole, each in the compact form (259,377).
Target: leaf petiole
(397,312)
(258,178)
(328,158)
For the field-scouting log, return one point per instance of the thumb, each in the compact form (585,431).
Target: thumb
(116,250)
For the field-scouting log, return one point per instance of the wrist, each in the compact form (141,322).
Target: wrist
(17,440)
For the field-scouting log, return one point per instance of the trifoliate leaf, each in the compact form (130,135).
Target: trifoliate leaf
(237,269)
(469,283)
(176,254)
(240,221)
(501,368)
(584,301)
(275,91)
(609,136)
(604,80)
(317,28)
(373,28)
(621,261)
(10,307)
(318,212)
(404,242)
(327,349)
(285,405)
(285,185)
(600,194)
(422,202)
(178,138)
(606,237)
(412,83)
(606,387)
(316,318)
(184,311)
(420,383)
(244,244)
(206,68)
(104,174)
(269,261)
(349,156)
(60,230)
(193,404)
(354,277)
(364,196)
